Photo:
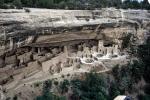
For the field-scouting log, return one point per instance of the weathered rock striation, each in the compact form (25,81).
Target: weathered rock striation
(47,41)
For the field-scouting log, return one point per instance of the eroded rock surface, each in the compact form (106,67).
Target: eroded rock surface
(44,44)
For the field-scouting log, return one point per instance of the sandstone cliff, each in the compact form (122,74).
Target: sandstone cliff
(108,23)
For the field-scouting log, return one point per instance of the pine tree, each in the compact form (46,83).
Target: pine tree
(145,4)
(18,4)
(1,3)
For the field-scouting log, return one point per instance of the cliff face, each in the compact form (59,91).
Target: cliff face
(42,39)
(108,22)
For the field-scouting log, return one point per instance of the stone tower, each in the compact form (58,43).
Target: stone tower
(100,45)
(66,51)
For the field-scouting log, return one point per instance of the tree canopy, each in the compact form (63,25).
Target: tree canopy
(75,4)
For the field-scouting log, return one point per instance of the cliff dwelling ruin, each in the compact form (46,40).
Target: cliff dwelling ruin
(57,42)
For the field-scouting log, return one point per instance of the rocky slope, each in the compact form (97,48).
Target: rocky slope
(29,37)
(36,27)
(21,21)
